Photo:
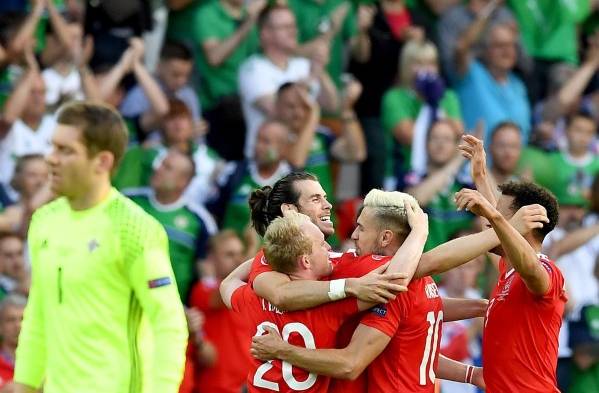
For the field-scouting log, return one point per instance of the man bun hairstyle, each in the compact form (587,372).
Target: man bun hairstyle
(265,203)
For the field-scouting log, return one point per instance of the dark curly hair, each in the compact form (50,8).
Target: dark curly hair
(265,203)
(527,193)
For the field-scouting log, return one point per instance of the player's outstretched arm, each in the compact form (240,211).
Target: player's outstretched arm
(456,252)
(234,280)
(30,363)
(459,309)
(347,363)
(151,277)
(451,370)
(291,295)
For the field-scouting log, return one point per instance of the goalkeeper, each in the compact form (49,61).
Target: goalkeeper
(100,271)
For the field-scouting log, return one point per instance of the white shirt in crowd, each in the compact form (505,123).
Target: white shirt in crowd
(22,140)
(58,85)
(259,77)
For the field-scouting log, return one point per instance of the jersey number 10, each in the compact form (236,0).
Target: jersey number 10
(430,348)
(286,368)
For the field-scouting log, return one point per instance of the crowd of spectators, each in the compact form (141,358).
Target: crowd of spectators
(224,96)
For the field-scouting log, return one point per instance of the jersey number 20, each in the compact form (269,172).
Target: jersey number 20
(286,368)
(430,347)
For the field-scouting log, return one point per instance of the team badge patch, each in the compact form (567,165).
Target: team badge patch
(159,282)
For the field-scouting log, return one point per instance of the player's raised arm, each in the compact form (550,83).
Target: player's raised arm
(30,364)
(152,279)
(346,363)
(517,249)
(472,148)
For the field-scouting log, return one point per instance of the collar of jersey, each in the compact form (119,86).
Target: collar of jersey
(178,204)
(81,213)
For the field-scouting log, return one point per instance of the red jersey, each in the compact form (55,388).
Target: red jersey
(520,338)
(350,265)
(313,328)
(413,321)
(7,369)
(228,332)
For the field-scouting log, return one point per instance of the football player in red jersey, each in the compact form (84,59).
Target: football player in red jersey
(405,332)
(296,247)
(520,336)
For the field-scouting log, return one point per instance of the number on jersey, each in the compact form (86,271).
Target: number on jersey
(430,347)
(286,368)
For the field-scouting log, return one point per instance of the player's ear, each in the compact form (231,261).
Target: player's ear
(287,207)
(304,262)
(104,161)
(386,237)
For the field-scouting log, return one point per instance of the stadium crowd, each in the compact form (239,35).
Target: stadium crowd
(222,97)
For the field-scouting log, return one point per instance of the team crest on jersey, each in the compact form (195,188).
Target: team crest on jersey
(181,222)
(431,291)
(263,261)
(380,310)
(506,288)
(93,245)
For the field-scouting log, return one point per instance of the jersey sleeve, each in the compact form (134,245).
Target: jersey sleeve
(387,317)
(30,365)
(239,297)
(556,281)
(151,276)
(259,266)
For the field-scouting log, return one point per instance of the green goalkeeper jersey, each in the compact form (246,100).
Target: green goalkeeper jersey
(96,275)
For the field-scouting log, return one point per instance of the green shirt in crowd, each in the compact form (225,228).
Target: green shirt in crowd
(211,21)
(444,220)
(314,18)
(549,27)
(139,162)
(188,227)
(399,104)
(572,178)
(180,21)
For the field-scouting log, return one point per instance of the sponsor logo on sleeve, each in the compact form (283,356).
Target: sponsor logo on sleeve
(380,310)
(159,282)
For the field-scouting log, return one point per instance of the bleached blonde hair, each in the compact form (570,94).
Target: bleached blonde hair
(285,242)
(390,210)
